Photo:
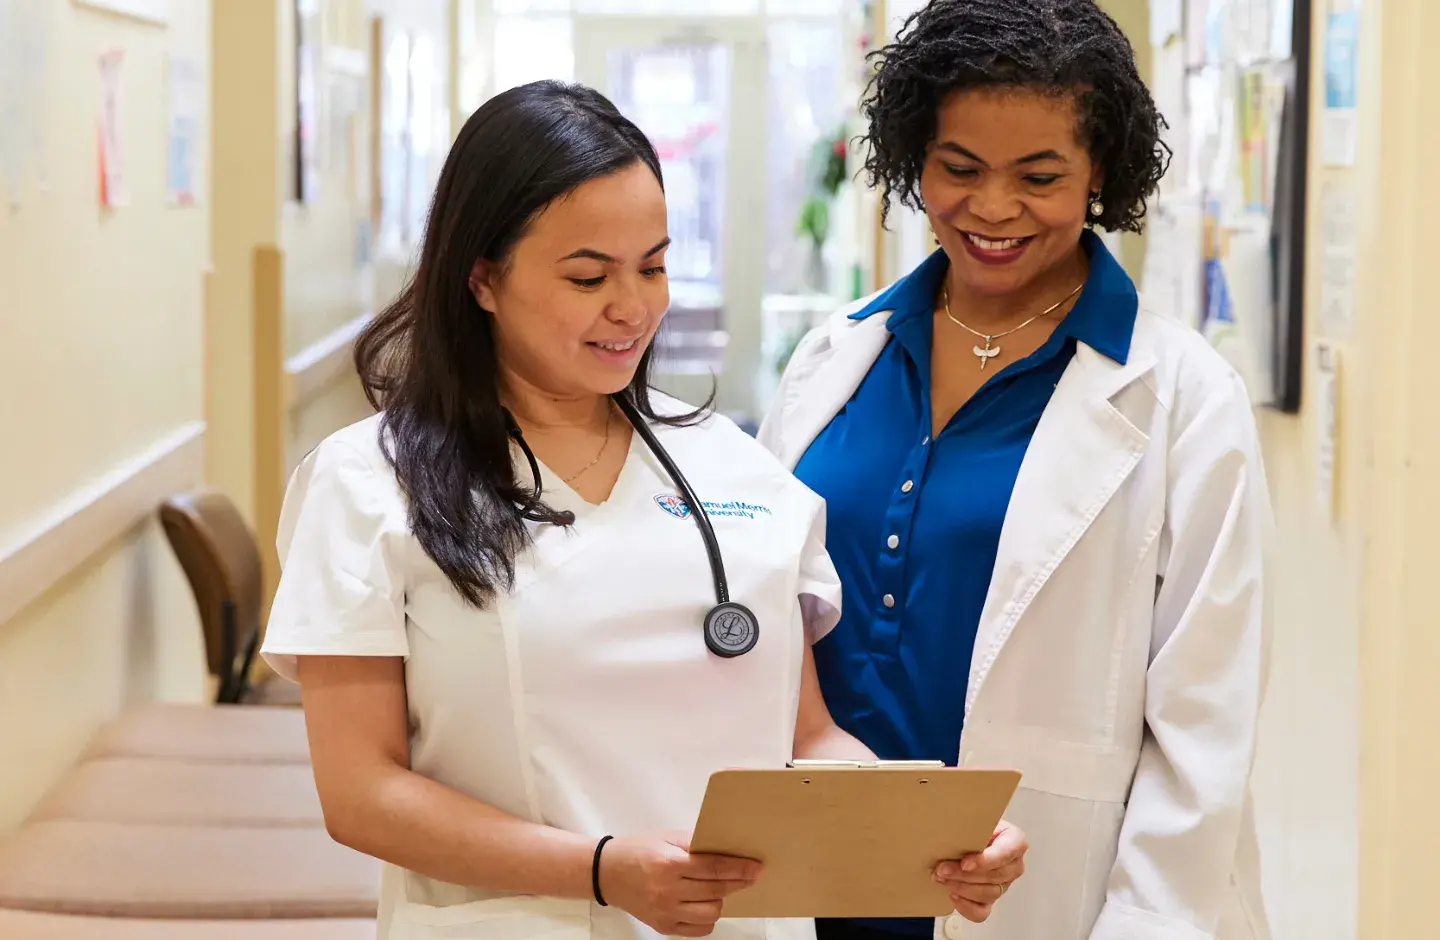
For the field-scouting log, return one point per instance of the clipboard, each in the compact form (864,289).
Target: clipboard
(849,839)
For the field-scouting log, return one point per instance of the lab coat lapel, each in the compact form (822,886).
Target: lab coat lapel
(838,370)
(1084,448)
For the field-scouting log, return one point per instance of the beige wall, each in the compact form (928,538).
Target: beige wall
(1311,747)
(1307,769)
(1397,436)
(100,342)
(326,285)
(108,345)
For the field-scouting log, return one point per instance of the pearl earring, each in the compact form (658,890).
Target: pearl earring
(1097,208)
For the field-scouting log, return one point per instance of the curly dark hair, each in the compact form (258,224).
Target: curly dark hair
(1064,47)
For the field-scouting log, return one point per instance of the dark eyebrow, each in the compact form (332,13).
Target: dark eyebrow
(1042,155)
(1029,158)
(603,258)
(591,254)
(956,148)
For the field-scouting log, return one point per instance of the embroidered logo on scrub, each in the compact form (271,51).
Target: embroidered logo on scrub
(734,509)
(674,505)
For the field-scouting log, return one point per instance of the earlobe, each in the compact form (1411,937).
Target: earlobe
(479,284)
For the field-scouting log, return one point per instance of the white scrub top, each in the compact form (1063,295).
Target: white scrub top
(585,698)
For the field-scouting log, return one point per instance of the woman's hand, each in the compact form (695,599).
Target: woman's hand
(977,881)
(657,881)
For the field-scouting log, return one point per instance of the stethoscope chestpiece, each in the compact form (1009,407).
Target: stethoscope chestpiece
(731,630)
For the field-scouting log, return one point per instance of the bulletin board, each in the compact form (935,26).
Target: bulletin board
(1226,247)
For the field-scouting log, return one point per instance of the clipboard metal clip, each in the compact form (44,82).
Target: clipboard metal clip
(820,764)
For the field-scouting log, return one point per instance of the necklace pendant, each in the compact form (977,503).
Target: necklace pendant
(986,354)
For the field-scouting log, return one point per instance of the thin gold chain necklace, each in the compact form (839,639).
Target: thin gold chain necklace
(991,350)
(609,422)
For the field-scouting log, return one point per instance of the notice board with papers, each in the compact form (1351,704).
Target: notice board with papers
(1226,246)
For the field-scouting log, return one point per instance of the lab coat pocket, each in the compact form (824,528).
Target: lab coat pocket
(515,918)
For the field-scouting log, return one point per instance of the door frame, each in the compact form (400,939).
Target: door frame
(747,169)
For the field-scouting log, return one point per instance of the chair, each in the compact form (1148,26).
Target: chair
(221,560)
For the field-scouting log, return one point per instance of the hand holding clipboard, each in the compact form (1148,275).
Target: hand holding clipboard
(861,839)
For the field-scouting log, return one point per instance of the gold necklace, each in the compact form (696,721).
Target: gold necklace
(609,422)
(991,350)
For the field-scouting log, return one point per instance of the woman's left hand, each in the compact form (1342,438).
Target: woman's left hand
(977,881)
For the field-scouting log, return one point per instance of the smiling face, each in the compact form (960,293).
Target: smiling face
(579,300)
(1007,187)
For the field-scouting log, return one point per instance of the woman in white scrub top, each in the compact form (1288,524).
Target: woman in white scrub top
(508,690)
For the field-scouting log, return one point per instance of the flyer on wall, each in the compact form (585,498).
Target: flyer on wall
(111,132)
(183,147)
(1341,126)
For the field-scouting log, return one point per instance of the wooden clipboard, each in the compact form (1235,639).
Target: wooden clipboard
(849,840)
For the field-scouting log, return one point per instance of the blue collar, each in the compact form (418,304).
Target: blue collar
(1103,318)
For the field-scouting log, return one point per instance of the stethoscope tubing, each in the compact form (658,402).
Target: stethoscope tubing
(697,510)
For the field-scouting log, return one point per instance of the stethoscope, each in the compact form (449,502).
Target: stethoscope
(730,628)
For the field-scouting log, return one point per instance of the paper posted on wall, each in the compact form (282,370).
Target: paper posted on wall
(23,73)
(183,150)
(111,131)
(1327,426)
(1171,280)
(1341,125)
(1240,320)
(1339,223)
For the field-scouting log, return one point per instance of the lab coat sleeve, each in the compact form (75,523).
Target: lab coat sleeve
(1208,659)
(771,434)
(819,583)
(341,590)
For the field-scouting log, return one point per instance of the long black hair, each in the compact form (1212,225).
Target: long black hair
(1062,47)
(428,361)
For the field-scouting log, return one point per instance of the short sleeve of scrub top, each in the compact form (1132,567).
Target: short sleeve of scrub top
(341,537)
(819,582)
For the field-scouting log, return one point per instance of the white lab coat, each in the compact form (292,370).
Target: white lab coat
(585,698)
(1121,652)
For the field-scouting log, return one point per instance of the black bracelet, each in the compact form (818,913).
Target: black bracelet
(595,872)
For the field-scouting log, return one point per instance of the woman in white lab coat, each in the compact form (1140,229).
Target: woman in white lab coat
(495,592)
(1045,503)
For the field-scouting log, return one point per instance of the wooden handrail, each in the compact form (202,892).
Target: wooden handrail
(312,369)
(80,527)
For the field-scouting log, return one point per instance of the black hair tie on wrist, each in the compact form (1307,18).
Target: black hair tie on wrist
(595,872)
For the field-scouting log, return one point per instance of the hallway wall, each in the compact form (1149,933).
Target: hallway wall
(1308,765)
(330,278)
(100,359)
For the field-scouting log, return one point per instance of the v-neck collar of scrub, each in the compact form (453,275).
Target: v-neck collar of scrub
(562,496)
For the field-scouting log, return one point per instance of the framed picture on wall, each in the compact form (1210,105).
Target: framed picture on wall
(1247,114)
(1289,218)
(307,99)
